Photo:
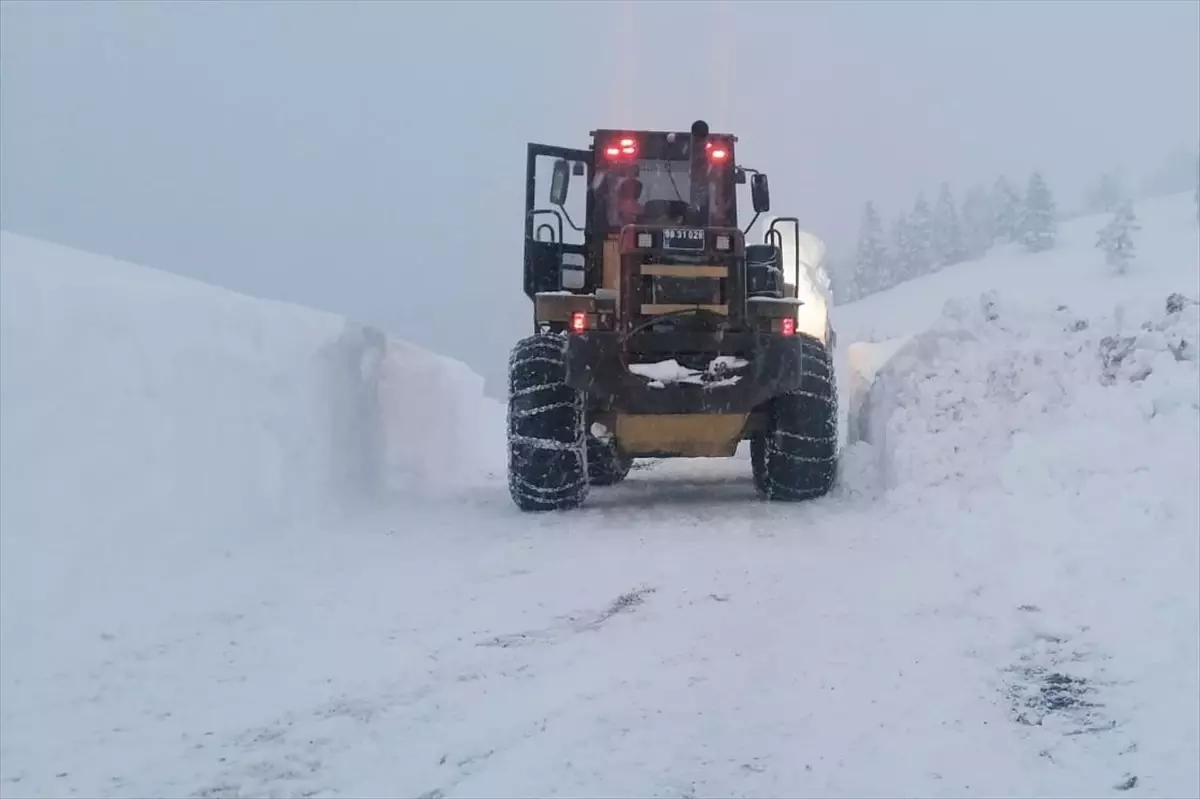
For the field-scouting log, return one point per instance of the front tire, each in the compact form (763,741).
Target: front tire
(795,459)
(547,449)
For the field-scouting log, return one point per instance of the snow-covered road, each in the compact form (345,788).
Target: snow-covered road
(675,638)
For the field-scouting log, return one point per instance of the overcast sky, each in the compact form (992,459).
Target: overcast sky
(362,156)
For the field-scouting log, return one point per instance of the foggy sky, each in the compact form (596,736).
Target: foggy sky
(360,157)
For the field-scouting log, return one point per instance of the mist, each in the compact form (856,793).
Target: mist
(368,158)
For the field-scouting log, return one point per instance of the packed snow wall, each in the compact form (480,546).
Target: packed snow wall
(1000,383)
(135,399)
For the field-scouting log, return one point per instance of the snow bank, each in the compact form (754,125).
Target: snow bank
(1068,445)
(970,400)
(856,367)
(136,406)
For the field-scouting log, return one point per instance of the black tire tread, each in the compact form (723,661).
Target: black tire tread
(796,459)
(547,450)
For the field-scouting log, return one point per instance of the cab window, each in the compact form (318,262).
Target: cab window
(656,192)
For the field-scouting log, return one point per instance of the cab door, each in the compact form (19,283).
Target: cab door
(556,251)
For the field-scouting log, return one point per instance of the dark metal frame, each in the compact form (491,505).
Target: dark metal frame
(772,235)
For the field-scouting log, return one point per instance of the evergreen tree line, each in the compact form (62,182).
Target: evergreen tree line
(928,238)
(1116,238)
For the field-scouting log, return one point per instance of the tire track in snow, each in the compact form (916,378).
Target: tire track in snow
(279,755)
(586,622)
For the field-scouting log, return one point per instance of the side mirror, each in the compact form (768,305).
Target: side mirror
(760,195)
(577,169)
(739,176)
(560,181)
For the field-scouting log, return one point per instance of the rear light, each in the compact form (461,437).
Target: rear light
(645,241)
(787,326)
(624,146)
(717,153)
(722,242)
(579,322)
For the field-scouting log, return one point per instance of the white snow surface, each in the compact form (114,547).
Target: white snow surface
(998,599)
(661,373)
(668,371)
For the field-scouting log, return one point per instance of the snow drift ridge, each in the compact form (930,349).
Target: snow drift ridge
(132,398)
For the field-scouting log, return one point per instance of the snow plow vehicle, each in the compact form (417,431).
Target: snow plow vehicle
(661,333)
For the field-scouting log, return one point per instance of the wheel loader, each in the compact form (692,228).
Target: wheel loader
(659,332)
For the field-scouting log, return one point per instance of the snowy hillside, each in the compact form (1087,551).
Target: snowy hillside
(1073,273)
(999,598)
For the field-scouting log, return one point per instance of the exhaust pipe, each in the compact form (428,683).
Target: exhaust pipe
(698,193)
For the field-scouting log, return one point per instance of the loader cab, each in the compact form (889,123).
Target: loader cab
(577,201)
(657,170)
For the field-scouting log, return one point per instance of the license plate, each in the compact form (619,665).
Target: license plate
(683,239)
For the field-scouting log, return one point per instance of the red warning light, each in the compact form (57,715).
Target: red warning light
(788,326)
(719,154)
(579,322)
(625,146)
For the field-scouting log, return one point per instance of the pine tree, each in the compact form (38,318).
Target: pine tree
(1116,238)
(1038,228)
(903,265)
(948,243)
(841,278)
(839,268)
(1007,207)
(921,243)
(870,260)
(978,222)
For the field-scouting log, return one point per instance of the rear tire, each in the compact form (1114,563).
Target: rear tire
(547,449)
(606,464)
(795,459)
(758,462)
